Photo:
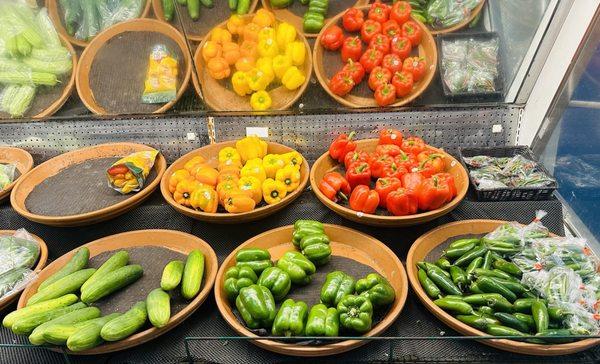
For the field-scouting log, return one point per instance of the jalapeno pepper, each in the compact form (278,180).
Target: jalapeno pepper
(511,321)
(454,305)
(480,272)
(524,304)
(467,257)
(508,267)
(556,314)
(498,330)
(428,266)
(515,287)
(554,336)
(487,260)
(486,284)
(442,281)
(459,277)
(526,319)
(462,242)
(443,263)
(474,288)
(475,263)
(485,310)
(478,322)
(337,285)
(456,252)
(430,288)
(540,315)
(494,300)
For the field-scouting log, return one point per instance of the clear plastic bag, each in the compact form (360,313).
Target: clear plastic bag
(446,13)
(16,100)
(18,251)
(84,19)
(15,280)
(7,175)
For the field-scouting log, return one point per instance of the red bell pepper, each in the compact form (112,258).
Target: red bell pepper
(384,186)
(359,173)
(369,29)
(401,12)
(392,62)
(394,170)
(351,49)
(408,161)
(412,181)
(353,19)
(413,145)
(118,169)
(404,83)
(379,12)
(380,42)
(334,186)
(355,156)
(364,199)
(341,83)
(356,70)
(449,179)
(332,38)
(430,163)
(371,59)
(341,146)
(385,94)
(378,163)
(401,46)
(390,149)
(379,76)
(412,31)
(433,193)
(415,65)
(390,136)
(391,28)
(402,202)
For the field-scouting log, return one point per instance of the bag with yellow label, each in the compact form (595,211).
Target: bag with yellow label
(160,85)
(128,174)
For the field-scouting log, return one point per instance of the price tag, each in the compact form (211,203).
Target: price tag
(262,132)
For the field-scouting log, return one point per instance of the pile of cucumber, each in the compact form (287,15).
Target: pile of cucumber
(61,312)
(241,7)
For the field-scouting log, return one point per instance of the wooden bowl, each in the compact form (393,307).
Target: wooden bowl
(427,49)
(221,98)
(56,17)
(296,20)
(205,24)
(41,263)
(345,242)
(23,161)
(137,25)
(327,164)
(210,152)
(51,167)
(174,240)
(429,241)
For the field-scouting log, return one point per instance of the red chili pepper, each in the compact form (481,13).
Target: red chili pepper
(412,31)
(402,202)
(355,156)
(433,194)
(390,136)
(379,12)
(371,59)
(369,29)
(332,38)
(415,65)
(118,169)
(334,186)
(413,145)
(449,179)
(378,163)
(401,46)
(380,42)
(385,95)
(408,161)
(392,62)
(379,76)
(353,19)
(341,146)
(384,186)
(389,149)
(341,83)
(412,181)
(404,83)
(401,11)
(391,28)
(364,199)
(359,173)
(394,170)
(356,70)
(351,49)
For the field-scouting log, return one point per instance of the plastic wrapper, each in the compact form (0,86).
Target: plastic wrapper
(160,85)
(446,13)
(47,29)
(517,171)
(16,100)
(15,280)
(128,174)
(7,174)
(84,19)
(18,251)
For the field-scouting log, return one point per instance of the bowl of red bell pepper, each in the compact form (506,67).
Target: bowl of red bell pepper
(394,180)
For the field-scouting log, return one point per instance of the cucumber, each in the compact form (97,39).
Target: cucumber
(42,307)
(87,335)
(192,274)
(116,261)
(26,325)
(68,284)
(171,276)
(77,262)
(112,282)
(126,324)
(168,9)
(158,304)
(182,2)
(208,3)
(194,9)
(69,320)
(23,46)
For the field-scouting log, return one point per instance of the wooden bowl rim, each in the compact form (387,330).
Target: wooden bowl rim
(423,84)
(322,350)
(462,24)
(151,333)
(28,166)
(342,210)
(244,216)
(148,25)
(503,344)
(160,165)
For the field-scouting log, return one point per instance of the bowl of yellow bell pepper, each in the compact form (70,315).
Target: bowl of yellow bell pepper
(235,181)
(252,62)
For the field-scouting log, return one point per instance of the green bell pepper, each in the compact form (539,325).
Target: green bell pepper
(318,6)
(298,267)
(356,313)
(316,248)
(323,321)
(303,232)
(313,22)
(277,281)
(309,223)
(256,306)
(337,285)
(279,4)
(237,278)
(290,319)
(379,291)
(257,259)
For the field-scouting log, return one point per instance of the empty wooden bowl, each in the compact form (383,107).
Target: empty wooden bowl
(210,153)
(346,243)
(30,180)
(327,164)
(23,161)
(174,240)
(420,250)
(327,63)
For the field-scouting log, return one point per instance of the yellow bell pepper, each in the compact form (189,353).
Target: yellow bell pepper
(255,170)
(205,198)
(239,82)
(252,187)
(220,35)
(260,101)
(290,176)
(237,202)
(273,191)
(229,154)
(226,187)
(281,64)
(218,68)
(189,165)
(293,78)
(267,47)
(245,64)
(257,79)
(286,33)
(266,33)
(254,162)
(264,18)
(251,32)
(230,165)
(272,163)
(251,147)
(205,174)
(265,64)
(292,158)
(228,176)
(210,50)
(178,176)
(236,24)
(183,191)
(297,52)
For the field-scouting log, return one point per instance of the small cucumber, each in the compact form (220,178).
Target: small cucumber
(68,284)
(192,274)
(158,304)
(126,324)
(88,335)
(77,262)
(42,307)
(168,9)
(111,282)
(26,325)
(67,323)
(194,9)
(116,261)
(171,276)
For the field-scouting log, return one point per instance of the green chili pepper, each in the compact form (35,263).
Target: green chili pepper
(511,321)
(487,260)
(516,288)
(454,305)
(486,284)
(462,242)
(443,263)
(556,314)
(443,282)
(497,330)
(470,255)
(422,265)
(430,288)
(475,263)
(550,336)
(479,272)
(539,312)
(337,285)
(478,322)
(482,299)
(486,310)
(474,288)
(508,267)
(456,252)
(459,277)
(523,305)
(528,294)
(290,319)
(429,266)
(526,319)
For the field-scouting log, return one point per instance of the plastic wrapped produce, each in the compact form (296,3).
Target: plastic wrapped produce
(447,13)
(7,175)
(128,174)
(18,254)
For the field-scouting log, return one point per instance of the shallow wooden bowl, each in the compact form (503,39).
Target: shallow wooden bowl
(427,49)
(56,17)
(191,35)
(27,183)
(174,240)
(296,20)
(221,98)
(41,263)
(21,158)
(345,242)
(137,25)
(429,241)
(210,153)
(326,164)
